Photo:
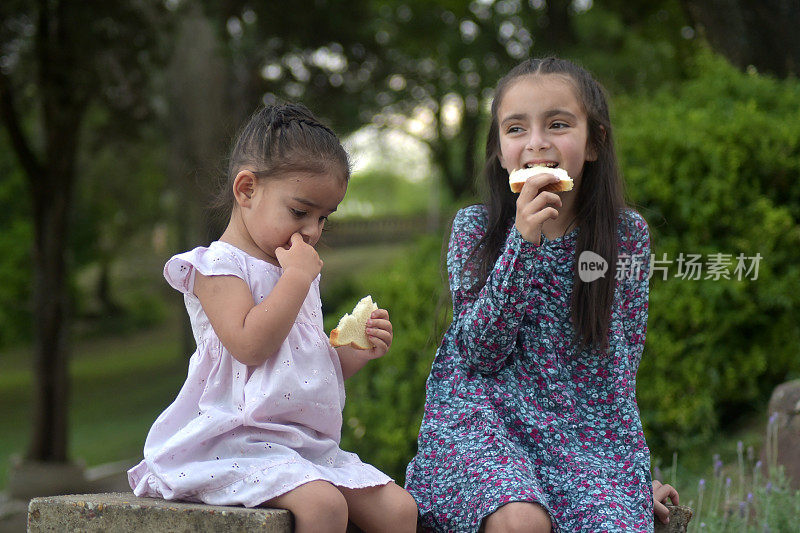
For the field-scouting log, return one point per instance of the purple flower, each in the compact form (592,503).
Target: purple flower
(701,485)
(718,468)
(768,487)
(773,418)
(740,446)
(727,482)
(749,497)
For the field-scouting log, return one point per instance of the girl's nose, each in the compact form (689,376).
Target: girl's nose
(311,233)
(537,141)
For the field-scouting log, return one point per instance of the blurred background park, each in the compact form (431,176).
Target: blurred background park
(116,120)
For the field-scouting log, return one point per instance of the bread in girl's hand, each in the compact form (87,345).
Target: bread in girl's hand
(518,177)
(352,327)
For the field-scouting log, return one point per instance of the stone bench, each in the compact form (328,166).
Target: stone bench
(126,513)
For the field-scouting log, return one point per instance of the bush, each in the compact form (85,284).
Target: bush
(385,399)
(714,167)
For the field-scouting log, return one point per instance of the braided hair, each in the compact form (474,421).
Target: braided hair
(283,138)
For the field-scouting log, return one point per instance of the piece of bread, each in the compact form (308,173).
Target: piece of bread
(352,327)
(517,178)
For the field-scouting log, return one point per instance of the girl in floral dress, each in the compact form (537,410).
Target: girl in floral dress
(531,421)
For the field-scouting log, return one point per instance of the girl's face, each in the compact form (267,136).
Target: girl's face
(294,203)
(542,123)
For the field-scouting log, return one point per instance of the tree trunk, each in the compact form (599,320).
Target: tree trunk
(63,107)
(108,307)
(52,193)
(559,32)
(49,438)
(196,80)
(762,33)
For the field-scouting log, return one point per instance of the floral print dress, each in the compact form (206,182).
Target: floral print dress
(514,412)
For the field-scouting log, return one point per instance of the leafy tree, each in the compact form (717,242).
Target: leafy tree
(60,58)
(433,62)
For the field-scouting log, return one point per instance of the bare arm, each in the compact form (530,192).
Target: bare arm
(253,333)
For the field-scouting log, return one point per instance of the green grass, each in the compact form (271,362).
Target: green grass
(119,385)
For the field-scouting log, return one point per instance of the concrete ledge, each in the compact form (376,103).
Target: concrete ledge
(125,513)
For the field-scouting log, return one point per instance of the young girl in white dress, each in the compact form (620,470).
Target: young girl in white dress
(259,418)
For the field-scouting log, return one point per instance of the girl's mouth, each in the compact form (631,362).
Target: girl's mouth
(549,164)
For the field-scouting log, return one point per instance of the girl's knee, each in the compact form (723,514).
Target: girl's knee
(405,508)
(519,517)
(316,506)
(326,505)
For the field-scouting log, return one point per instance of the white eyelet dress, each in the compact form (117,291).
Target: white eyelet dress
(239,435)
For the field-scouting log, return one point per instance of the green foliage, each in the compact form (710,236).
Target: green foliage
(376,191)
(386,398)
(714,166)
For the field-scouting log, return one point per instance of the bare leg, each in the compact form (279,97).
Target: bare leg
(519,517)
(386,508)
(317,507)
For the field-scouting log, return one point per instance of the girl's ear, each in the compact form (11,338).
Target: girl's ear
(244,185)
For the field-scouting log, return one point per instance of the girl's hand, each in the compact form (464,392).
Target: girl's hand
(379,332)
(300,256)
(662,493)
(535,206)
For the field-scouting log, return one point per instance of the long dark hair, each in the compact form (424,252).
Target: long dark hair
(283,138)
(598,204)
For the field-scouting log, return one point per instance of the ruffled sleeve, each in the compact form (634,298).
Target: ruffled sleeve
(212,261)
(487,322)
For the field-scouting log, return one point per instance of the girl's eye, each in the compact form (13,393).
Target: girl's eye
(514,129)
(297,213)
(559,125)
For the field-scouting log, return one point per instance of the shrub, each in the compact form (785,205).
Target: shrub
(386,398)
(714,167)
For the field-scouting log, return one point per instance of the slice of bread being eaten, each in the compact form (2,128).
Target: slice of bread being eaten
(352,327)
(518,177)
